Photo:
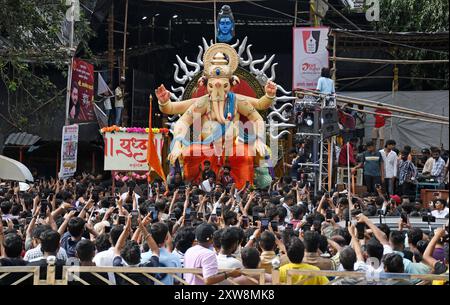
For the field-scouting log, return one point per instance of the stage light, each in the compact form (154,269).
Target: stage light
(156,15)
(174,16)
(309,121)
(144,18)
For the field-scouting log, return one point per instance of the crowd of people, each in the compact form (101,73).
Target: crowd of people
(222,230)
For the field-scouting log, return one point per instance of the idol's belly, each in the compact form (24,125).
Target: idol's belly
(212,128)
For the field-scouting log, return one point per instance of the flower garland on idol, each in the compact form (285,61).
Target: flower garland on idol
(124,177)
(115,128)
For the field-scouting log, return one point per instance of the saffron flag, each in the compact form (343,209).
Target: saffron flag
(152,154)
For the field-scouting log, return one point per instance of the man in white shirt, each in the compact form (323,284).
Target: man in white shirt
(119,105)
(229,242)
(106,258)
(440,209)
(390,160)
(208,185)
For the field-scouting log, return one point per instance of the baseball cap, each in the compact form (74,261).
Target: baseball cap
(204,232)
(396,198)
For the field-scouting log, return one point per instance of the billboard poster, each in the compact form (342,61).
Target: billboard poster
(128,151)
(69,149)
(81,106)
(310,56)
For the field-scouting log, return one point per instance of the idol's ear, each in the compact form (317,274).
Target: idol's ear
(202,81)
(235,80)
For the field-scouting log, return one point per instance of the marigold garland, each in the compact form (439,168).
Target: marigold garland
(115,128)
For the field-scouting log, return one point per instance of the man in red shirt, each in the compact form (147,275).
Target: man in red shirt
(380,123)
(343,153)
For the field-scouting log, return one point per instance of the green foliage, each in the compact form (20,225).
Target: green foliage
(30,51)
(418,16)
(414,15)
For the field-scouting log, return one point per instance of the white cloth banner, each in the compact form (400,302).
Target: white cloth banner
(310,56)
(128,151)
(69,149)
(102,87)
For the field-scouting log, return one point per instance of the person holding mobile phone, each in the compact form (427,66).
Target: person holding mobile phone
(202,256)
(160,233)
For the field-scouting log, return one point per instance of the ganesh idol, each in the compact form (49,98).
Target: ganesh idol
(225,128)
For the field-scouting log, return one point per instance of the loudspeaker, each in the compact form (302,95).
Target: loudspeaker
(329,121)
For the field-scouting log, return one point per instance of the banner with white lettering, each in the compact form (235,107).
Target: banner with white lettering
(310,56)
(69,149)
(128,151)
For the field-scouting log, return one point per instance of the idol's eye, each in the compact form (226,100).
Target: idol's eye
(210,85)
(225,86)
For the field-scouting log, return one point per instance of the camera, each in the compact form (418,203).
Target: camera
(428,218)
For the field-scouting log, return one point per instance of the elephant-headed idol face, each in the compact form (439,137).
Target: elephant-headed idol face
(218,89)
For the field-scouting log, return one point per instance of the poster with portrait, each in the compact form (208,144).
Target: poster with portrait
(310,56)
(81,105)
(69,149)
(128,151)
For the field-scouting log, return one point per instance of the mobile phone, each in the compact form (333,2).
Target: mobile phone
(187,222)
(153,213)
(245,221)
(329,214)
(213,217)
(360,227)
(193,214)
(274,225)
(122,220)
(134,219)
(173,217)
(290,226)
(188,212)
(219,211)
(255,217)
(200,215)
(264,223)
(107,229)
(43,211)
